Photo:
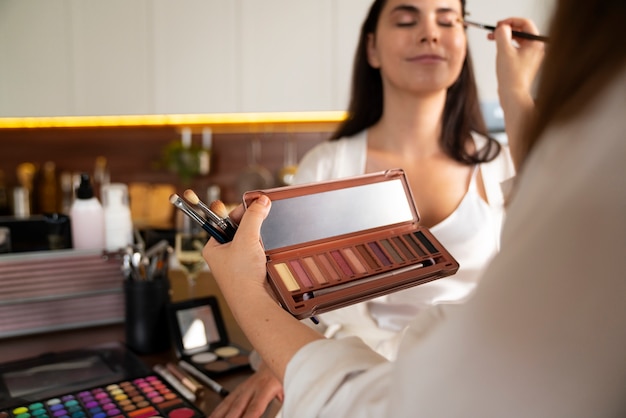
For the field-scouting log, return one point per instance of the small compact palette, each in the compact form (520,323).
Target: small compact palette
(334,243)
(147,396)
(201,339)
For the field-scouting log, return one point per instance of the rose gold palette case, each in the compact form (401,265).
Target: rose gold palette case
(334,243)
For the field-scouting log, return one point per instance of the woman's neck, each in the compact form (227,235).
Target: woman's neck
(409,124)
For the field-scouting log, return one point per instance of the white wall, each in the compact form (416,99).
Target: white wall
(85,57)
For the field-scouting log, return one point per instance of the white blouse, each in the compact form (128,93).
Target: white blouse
(471,234)
(544,335)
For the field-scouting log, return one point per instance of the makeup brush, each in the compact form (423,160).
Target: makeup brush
(206,225)
(516,34)
(219,207)
(192,197)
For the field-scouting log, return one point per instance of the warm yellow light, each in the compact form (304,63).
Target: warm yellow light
(217,121)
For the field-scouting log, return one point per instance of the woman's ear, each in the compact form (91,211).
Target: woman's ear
(372,52)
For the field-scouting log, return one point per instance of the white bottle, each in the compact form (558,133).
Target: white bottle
(87,217)
(118,224)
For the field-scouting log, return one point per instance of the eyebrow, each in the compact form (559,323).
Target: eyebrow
(415,10)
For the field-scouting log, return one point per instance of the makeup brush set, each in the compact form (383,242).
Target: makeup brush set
(368,242)
(213,219)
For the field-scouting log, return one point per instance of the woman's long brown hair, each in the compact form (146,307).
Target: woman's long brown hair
(461,114)
(587,49)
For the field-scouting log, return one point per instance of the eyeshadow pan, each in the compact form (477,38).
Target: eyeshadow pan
(413,243)
(217,366)
(297,268)
(367,256)
(332,273)
(286,276)
(354,260)
(379,253)
(394,254)
(341,262)
(429,245)
(315,270)
(402,246)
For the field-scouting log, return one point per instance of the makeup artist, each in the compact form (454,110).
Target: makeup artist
(543,335)
(414,105)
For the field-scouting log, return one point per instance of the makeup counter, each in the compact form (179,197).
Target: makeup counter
(16,348)
(55,298)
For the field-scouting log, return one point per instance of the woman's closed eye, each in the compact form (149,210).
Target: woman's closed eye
(408,18)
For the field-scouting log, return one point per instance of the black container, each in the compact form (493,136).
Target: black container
(146,302)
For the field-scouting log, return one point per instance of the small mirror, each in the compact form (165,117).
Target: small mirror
(197,327)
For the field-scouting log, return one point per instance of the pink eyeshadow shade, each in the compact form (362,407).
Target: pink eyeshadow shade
(341,262)
(297,268)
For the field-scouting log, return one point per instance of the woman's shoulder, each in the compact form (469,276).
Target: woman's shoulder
(332,159)
(497,174)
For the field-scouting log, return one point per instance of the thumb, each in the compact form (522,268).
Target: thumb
(252,219)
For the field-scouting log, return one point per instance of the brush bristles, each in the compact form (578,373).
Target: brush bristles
(174,199)
(191,196)
(219,207)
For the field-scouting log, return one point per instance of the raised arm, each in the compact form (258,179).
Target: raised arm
(517,63)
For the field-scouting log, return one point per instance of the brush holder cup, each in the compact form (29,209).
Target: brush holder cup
(146,303)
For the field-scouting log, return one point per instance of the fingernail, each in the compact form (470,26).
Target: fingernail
(263,200)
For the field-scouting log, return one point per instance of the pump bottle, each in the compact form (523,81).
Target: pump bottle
(118,224)
(87,217)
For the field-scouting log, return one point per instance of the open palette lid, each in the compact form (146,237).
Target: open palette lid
(335,243)
(316,212)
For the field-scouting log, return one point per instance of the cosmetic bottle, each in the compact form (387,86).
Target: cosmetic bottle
(87,217)
(118,224)
(204,155)
(5,207)
(48,189)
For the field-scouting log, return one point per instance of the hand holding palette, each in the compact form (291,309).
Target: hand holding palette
(334,243)
(200,337)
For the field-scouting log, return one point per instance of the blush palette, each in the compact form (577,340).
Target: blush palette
(334,243)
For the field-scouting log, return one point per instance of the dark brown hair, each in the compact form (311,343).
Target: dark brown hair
(584,54)
(461,113)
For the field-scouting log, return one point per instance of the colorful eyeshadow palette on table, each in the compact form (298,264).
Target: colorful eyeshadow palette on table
(334,243)
(200,337)
(102,382)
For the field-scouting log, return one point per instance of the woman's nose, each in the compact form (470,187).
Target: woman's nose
(429,31)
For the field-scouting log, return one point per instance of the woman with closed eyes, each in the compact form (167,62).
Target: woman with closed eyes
(414,105)
(543,334)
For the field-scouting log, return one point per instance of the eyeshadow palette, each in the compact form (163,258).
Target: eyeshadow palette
(147,396)
(201,339)
(334,243)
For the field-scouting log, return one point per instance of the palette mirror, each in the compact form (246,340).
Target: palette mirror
(344,211)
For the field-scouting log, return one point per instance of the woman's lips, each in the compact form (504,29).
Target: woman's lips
(427,58)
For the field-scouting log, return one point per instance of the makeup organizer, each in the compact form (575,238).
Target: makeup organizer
(335,243)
